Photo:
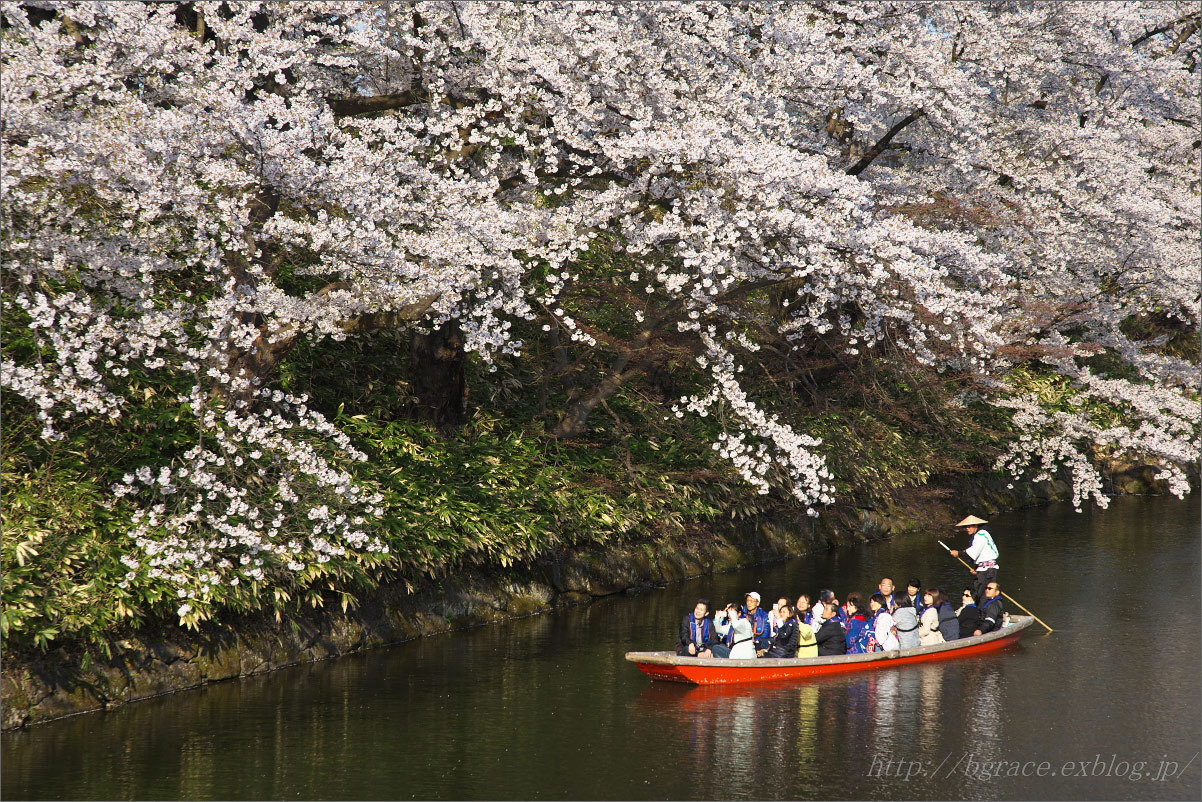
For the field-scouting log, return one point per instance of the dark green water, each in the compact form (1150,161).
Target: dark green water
(547,708)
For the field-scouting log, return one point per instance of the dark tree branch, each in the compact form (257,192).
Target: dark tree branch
(575,422)
(1166,27)
(265,355)
(374,104)
(1185,34)
(879,148)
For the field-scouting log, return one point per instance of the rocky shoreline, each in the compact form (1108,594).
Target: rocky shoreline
(42,687)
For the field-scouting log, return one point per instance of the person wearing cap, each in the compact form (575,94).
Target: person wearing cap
(982,551)
(761,629)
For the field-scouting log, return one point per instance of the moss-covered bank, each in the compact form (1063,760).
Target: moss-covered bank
(41,687)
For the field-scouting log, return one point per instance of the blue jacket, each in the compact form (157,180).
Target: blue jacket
(949,625)
(761,630)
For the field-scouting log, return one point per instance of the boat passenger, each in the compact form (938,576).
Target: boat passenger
(991,610)
(916,596)
(884,631)
(758,617)
(820,608)
(826,597)
(784,642)
(928,621)
(735,629)
(774,617)
(696,632)
(969,615)
(949,625)
(831,635)
(983,551)
(807,645)
(886,591)
(853,600)
(905,619)
(804,612)
(858,630)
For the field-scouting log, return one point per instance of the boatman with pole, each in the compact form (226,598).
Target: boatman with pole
(982,551)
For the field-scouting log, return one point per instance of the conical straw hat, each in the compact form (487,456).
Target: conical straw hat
(972,520)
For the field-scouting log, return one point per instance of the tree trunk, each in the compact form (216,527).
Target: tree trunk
(259,363)
(563,366)
(575,422)
(438,375)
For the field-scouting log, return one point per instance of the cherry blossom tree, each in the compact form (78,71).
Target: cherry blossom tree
(192,189)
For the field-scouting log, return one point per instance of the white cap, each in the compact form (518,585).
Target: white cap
(753,594)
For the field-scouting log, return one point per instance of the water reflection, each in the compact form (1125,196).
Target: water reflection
(547,707)
(782,733)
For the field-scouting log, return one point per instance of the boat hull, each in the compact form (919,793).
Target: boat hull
(716,671)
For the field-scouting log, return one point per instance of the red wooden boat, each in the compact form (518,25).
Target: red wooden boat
(714,671)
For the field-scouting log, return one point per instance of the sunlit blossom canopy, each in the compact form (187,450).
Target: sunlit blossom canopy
(1006,194)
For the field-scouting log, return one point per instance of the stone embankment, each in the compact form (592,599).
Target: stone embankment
(37,688)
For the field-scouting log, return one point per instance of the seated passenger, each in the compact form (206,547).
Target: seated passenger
(696,632)
(857,624)
(928,621)
(804,612)
(905,619)
(807,645)
(738,637)
(991,610)
(758,617)
(784,642)
(969,615)
(826,598)
(949,625)
(884,631)
(774,617)
(916,596)
(886,591)
(831,635)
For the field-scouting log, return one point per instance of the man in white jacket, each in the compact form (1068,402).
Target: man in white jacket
(982,551)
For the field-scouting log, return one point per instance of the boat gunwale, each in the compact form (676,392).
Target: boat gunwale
(666,658)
